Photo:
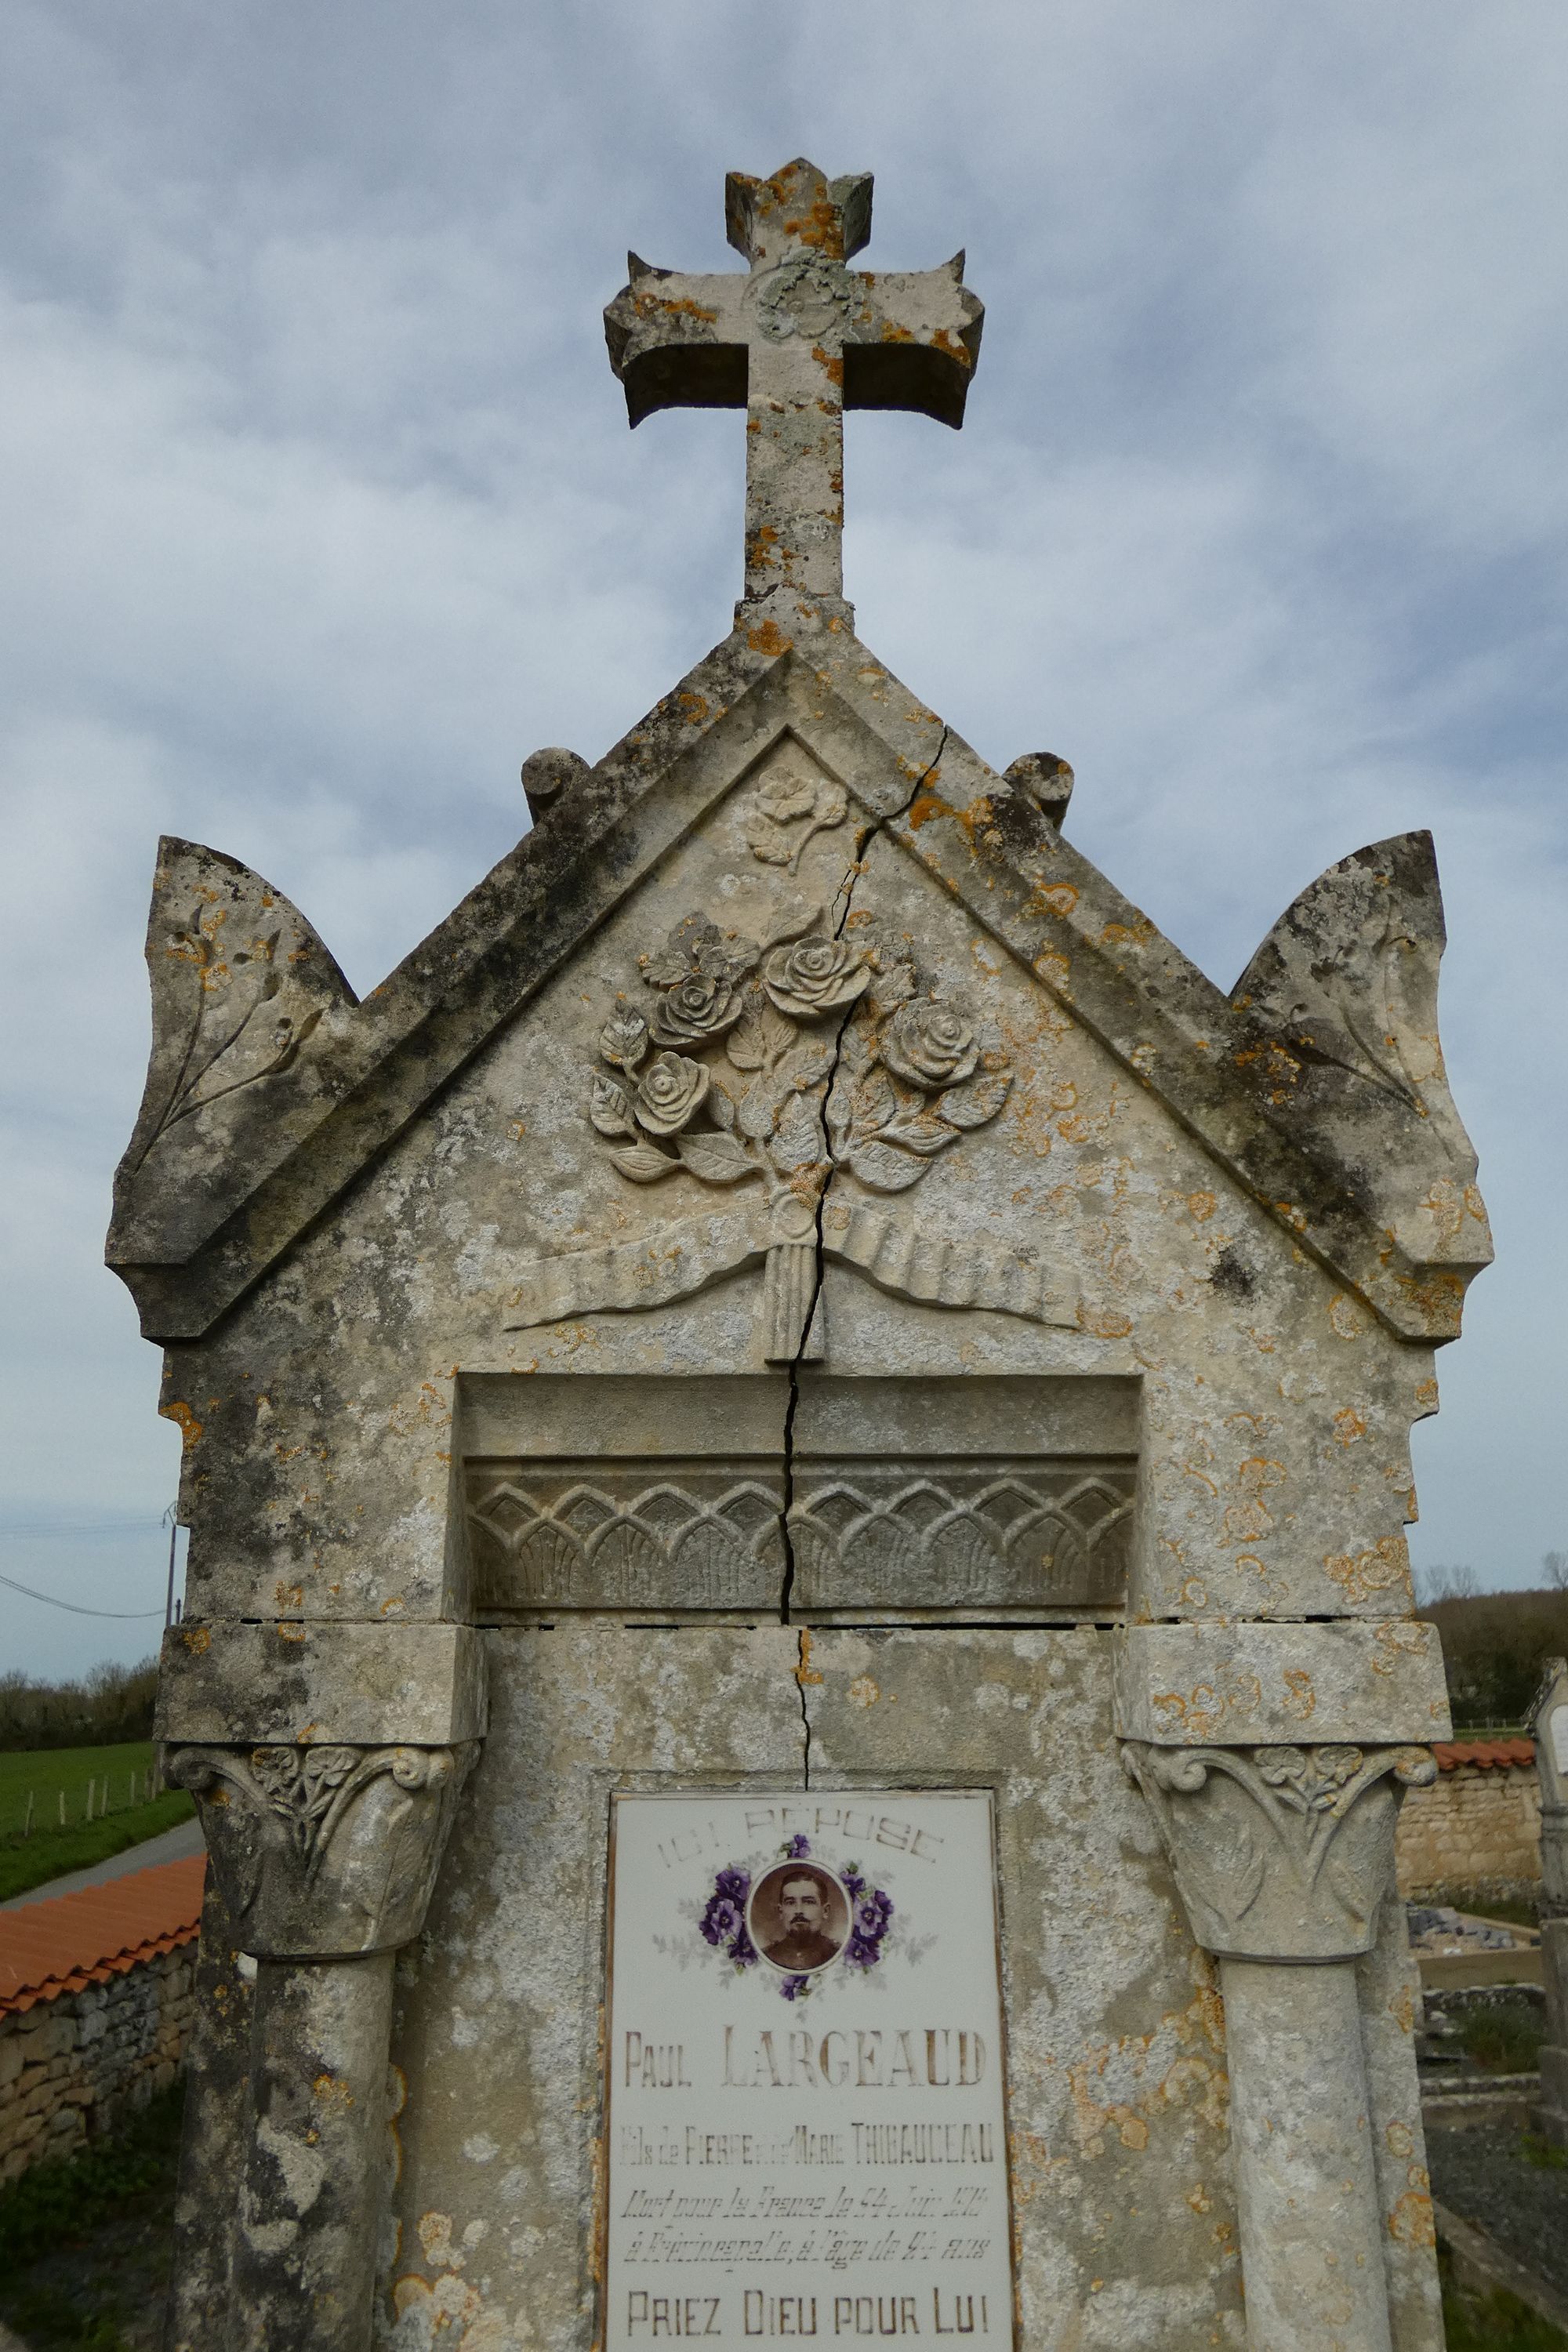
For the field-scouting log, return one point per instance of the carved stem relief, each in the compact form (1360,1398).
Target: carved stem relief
(1281,1853)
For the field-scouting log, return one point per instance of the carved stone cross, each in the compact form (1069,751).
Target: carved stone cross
(795,345)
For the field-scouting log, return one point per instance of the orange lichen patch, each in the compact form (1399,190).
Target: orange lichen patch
(289,1631)
(1249,1519)
(673,306)
(1350,1426)
(891,332)
(287,1596)
(832,368)
(1201,1207)
(1347,1315)
(864,1692)
(1103,1323)
(189,1427)
(1300,1698)
(332,2091)
(820,226)
(767,637)
(1360,1574)
(693,707)
(804,1672)
(1135,935)
(197,1638)
(1427,1395)
(948,343)
(1410,2222)
(1059,897)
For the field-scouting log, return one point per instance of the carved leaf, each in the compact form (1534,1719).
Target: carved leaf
(643,1164)
(857,1047)
(799,1139)
(745,1045)
(883,1169)
(921,1132)
(721,1103)
(873,1103)
(978,1099)
(759,1108)
(777,1032)
(608,1107)
(793,921)
(806,1064)
(767,841)
(716,1158)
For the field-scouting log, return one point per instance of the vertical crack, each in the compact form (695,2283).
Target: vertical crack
(843,904)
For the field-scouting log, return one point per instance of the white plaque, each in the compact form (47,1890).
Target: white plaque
(804,2063)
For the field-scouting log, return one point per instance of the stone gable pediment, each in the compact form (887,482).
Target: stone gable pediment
(1316,1085)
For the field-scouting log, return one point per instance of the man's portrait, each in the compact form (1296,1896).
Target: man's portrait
(799,1917)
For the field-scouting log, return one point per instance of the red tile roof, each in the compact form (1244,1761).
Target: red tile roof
(65,1941)
(1490,1755)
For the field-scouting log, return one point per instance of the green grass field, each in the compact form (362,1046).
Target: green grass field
(50,1774)
(65,1780)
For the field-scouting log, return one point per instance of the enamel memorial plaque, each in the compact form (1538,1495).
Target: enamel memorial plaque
(804,2063)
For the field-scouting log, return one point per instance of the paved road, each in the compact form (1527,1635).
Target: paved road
(173,1846)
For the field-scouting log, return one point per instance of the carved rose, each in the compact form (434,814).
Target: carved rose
(815,977)
(624,1040)
(929,1045)
(698,1007)
(668,1091)
(696,948)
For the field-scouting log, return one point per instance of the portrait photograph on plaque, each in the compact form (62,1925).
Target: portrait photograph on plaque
(804,2068)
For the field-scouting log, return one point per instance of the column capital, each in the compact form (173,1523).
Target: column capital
(323,1852)
(1281,1852)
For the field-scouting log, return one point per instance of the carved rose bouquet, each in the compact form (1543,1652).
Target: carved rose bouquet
(746,1049)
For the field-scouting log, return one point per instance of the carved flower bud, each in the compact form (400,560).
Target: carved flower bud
(668,1091)
(624,1040)
(929,1045)
(815,977)
(699,1007)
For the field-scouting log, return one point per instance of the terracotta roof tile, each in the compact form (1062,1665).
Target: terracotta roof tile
(65,1941)
(1488,1755)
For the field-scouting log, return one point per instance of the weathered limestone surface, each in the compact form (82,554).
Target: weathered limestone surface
(800,1275)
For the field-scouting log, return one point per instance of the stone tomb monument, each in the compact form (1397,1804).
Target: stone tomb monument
(799,1661)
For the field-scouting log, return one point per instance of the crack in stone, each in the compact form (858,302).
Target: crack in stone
(844,899)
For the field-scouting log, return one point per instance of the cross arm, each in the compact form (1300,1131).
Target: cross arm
(677,339)
(912,341)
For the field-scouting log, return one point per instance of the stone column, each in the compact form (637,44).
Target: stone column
(325,1856)
(1283,1857)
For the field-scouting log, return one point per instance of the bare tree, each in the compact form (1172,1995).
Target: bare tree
(1446,1583)
(1554,1567)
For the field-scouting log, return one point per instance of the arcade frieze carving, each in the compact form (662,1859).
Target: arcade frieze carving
(326,1850)
(1281,1853)
(862,1533)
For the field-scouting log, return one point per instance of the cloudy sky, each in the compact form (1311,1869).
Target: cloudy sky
(322,513)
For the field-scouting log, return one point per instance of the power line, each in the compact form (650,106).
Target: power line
(75,1612)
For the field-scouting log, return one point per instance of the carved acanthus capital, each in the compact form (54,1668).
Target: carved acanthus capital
(1281,1853)
(324,1851)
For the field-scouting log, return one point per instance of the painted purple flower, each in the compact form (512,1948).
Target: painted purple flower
(798,1847)
(793,1986)
(735,1884)
(721,1920)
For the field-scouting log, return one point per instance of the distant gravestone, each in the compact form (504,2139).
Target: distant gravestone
(1549,1721)
(799,1658)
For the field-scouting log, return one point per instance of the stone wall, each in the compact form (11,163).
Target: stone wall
(72,2067)
(1475,1827)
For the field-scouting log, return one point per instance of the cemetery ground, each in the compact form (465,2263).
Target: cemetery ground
(88,1804)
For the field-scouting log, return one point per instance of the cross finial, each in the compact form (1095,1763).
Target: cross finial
(795,343)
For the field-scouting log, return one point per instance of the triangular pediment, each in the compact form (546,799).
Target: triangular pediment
(272,1089)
